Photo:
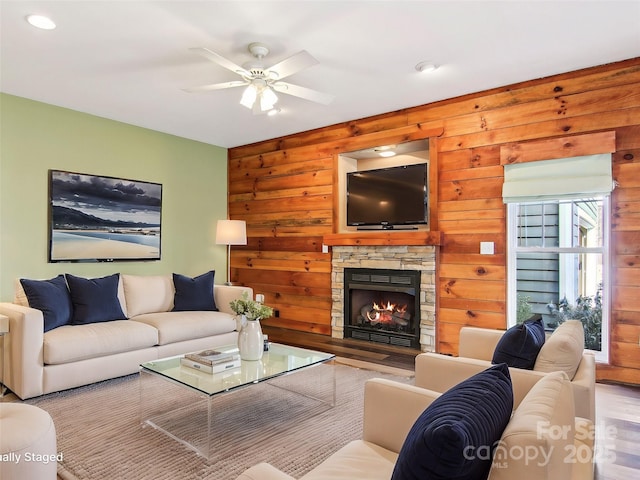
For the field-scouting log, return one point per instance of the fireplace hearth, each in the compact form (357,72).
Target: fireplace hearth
(382,306)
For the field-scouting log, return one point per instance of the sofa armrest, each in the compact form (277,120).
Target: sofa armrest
(22,353)
(406,402)
(264,471)
(583,454)
(441,372)
(478,343)
(224,294)
(584,387)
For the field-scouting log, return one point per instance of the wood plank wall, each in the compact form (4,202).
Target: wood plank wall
(284,189)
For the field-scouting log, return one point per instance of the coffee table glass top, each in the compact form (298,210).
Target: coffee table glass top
(279,360)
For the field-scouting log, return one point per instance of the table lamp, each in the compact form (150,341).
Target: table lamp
(231,232)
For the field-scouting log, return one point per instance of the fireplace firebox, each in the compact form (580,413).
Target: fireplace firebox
(382,306)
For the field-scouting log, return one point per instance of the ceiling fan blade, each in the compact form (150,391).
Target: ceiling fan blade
(303,92)
(215,86)
(291,65)
(220,60)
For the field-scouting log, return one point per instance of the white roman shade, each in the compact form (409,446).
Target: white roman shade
(563,178)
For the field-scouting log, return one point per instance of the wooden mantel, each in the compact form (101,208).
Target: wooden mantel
(422,237)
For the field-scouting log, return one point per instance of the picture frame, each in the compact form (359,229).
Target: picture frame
(94,218)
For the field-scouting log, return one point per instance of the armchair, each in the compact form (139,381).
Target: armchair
(441,372)
(549,403)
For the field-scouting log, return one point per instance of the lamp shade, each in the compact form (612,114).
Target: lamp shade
(231,232)
(249,96)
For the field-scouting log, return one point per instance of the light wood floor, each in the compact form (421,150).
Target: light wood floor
(617,406)
(617,432)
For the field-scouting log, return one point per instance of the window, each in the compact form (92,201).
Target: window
(558,264)
(558,242)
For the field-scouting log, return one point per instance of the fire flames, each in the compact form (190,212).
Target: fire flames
(385,313)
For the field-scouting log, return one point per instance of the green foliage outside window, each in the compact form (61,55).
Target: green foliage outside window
(589,311)
(523,308)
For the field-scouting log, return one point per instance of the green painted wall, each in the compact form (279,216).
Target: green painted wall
(36,137)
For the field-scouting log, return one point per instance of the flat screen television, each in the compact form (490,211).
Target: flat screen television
(388,197)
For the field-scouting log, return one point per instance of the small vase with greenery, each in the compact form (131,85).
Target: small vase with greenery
(250,339)
(251,309)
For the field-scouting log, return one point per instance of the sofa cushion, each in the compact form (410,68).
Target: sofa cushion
(194,293)
(520,345)
(94,299)
(357,459)
(147,293)
(451,437)
(179,326)
(563,349)
(538,441)
(52,298)
(72,343)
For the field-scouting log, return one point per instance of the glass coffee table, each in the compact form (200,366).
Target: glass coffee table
(215,414)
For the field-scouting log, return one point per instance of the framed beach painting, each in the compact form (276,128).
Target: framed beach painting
(103,219)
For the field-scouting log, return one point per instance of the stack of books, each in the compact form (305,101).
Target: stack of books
(211,361)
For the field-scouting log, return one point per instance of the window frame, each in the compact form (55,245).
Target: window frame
(513,248)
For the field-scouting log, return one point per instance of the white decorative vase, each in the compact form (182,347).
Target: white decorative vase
(250,342)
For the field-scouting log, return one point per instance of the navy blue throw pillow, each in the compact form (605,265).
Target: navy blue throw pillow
(52,298)
(453,439)
(194,294)
(520,345)
(95,299)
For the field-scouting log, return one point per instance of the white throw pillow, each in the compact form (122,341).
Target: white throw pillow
(563,349)
(547,409)
(148,293)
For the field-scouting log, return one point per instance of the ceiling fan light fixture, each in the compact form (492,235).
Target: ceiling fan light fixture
(249,96)
(268,99)
(260,83)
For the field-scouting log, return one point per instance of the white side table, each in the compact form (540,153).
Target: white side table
(4,328)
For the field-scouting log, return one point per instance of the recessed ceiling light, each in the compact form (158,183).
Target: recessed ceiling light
(40,21)
(426,66)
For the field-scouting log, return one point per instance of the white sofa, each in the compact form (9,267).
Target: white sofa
(391,408)
(35,362)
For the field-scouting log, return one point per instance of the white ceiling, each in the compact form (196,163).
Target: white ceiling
(130,60)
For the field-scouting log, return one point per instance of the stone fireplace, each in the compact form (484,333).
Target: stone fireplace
(382,306)
(387,264)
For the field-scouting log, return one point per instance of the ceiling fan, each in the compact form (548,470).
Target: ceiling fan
(261,82)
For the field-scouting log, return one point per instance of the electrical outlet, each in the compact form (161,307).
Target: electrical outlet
(276,312)
(259,297)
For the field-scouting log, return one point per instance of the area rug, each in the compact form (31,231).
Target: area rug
(100,435)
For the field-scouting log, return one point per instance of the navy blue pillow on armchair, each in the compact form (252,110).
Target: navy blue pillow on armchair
(52,298)
(451,438)
(95,299)
(194,294)
(520,345)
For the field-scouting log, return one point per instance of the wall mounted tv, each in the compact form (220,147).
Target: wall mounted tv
(394,197)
